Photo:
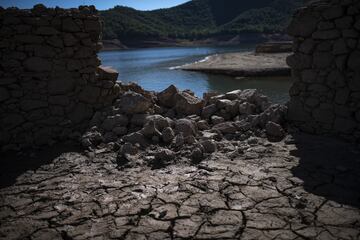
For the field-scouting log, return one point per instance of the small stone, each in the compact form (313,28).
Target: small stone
(225,128)
(203,125)
(209,146)
(136,138)
(128,148)
(208,111)
(197,155)
(150,130)
(168,135)
(185,126)
(274,131)
(216,120)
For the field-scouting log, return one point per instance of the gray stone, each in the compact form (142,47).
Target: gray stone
(274,131)
(340,47)
(69,25)
(209,146)
(187,104)
(333,12)
(29,104)
(4,94)
(37,64)
(342,96)
(233,95)
(168,96)
(354,60)
(303,25)
(208,111)
(197,155)
(164,155)
(324,115)
(203,125)
(139,119)
(216,120)
(323,60)
(344,125)
(326,34)
(59,100)
(168,135)
(107,73)
(136,138)
(150,130)
(120,131)
(80,113)
(132,103)
(11,120)
(160,121)
(186,127)
(344,22)
(225,128)
(128,148)
(90,94)
(63,85)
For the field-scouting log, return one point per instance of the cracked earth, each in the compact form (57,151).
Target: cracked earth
(302,188)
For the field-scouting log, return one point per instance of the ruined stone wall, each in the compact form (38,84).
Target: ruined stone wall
(325,96)
(50,79)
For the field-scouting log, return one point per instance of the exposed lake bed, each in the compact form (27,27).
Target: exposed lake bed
(157,68)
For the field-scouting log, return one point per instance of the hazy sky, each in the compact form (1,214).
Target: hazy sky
(100,4)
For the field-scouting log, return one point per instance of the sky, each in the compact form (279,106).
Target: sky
(100,4)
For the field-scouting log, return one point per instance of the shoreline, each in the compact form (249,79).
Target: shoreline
(242,64)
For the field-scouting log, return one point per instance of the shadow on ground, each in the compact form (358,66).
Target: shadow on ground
(13,164)
(329,168)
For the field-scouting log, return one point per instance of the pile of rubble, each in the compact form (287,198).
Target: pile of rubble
(172,125)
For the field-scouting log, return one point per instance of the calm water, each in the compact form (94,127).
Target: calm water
(153,70)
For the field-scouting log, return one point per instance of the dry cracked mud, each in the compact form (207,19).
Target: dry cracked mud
(304,187)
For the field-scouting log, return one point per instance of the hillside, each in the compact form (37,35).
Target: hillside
(198,19)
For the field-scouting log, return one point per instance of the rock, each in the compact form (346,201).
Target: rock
(357,115)
(132,103)
(164,155)
(112,121)
(197,155)
(179,140)
(47,31)
(274,131)
(209,146)
(120,131)
(225,128)
(233,95)
(216,120)
(11,120)
(90,94)
(4,94)
(354,60)
(62,85)
(208,111)
(110,137)
(107,73)
(62,100)
(253,96)
(275,113)
(324,115)
(37,64)
(303,24)
(202,125)
(168,96)
(344,125)
(168,135)
(299,61)
(128,148)
(160,121)
(187,104)
(149,130)
(28,105)
(92,26)
(333,12)
(80,113)
(91,138)
(247,108)
(323,60)
(69,25)
(186,127)
(136,138)
(223,103)
(139,119)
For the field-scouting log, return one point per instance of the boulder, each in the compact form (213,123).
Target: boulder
(132,103)
(209,146)
(203,125)
(150,130)
(186,127)
(107,73)
(225,128)
(187,104)
(168,135)
(247,108)
(274,131)
(233,95)
(168,96)
(136,138)
(91,138)
(160,121)
(216,120)
(208,111)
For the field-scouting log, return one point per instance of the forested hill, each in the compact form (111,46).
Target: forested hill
(199,18)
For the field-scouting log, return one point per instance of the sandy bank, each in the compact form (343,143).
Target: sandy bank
(246,64)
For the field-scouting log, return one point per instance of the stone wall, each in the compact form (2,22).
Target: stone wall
(50,79)
(325,96)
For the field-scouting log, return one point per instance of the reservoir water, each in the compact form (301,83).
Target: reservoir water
(155,69)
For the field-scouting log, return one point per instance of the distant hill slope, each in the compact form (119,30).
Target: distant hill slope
(198,19)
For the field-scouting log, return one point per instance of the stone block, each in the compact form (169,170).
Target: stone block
(61,85)
(90,94)
(59,100)
(80,113)
(354,60)
(326,34)
(342,96)
(323,59)
(340,47)
(333,12)
(36,64)
(11,120)
(4,94)
(28,104)
(46,31)
(344,125)
(344,22)
(303,24)
(69,25)
(107,73)
(324,115)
